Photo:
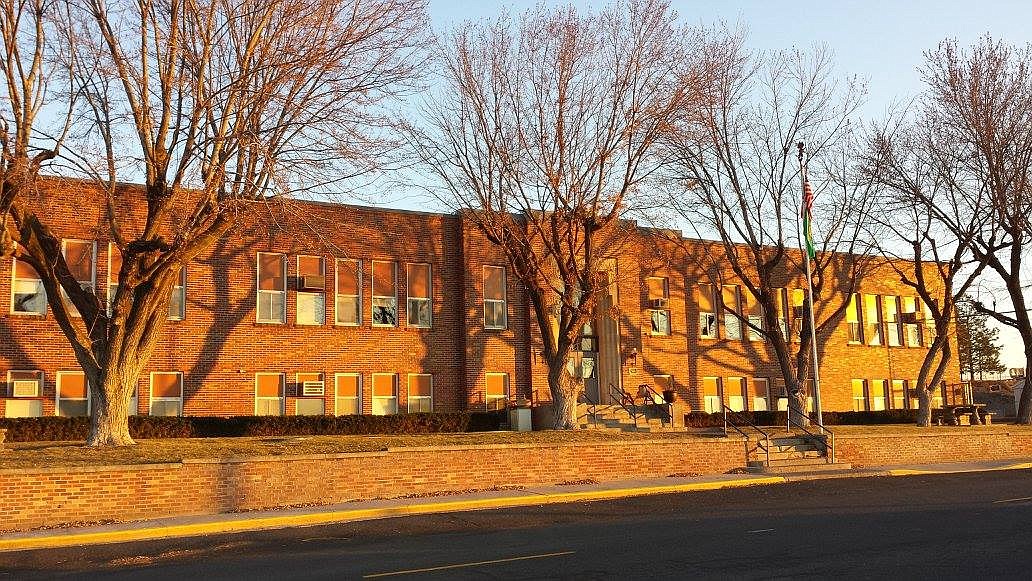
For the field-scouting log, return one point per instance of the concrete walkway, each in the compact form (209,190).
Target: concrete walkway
(188,526)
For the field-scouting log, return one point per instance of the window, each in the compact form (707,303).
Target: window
(114,268)
(268,394)
(166,394)
(781,295)
(72,394)
(385,394)
(420,393)
(729,301)
(911,327)
(855,329)
(663,383)
(754,312)
(348,394)
(760,394)
(798,298)
(23,387)
(272,288)
(899,394)
(495,307)
(707,314)
(711,399)
(929,325)
(309,389)
(892,322)
(311,290)
(385,294)
(659,295)
(81,258)
(873,320)
(496,391)
(349,292)
(27,293)
(419,306)
(177,305)
(859,395)
(737,392)
(879,397)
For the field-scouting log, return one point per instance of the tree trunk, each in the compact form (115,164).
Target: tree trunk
(1025,405)
(797,407)
(924,407)
(110,393)
(563,389)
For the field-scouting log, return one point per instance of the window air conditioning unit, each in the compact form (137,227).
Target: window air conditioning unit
(313,388)
(659,303)
(311,283)
(25,388)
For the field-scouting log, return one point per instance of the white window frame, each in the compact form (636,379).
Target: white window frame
(504,302)
(10,383)
(57,392)
(665,315)
(14,285)
(72,311)
(429,300)
(337,397)
(337,296)
(179,400)
(259,291)
(179,289)
(303,293)
(373,397)
(375,297)
(283,392)
(410,397)
(494,399)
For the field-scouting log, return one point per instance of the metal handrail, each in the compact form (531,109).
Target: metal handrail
(622,397)
(592,407)
(651,400)
(766,436)
(829,453)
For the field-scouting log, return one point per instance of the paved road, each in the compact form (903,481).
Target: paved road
(942,527)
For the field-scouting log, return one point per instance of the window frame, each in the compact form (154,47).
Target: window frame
(111,250)
(488,398)
(428,300)
(72,311)
(337,397)
(57,392)
(719,395)
(337,294)
(39,384)
(742,392)
(181,290)
(259,291)
(732,316)
(652,311)
(504,301)
(765,398)
(152,399)
(14,285)
(894,329)
(855,329)
(373,397)
(863,400)
(374,296)
(283,392)
(715,322)
(409,397)
(306,293)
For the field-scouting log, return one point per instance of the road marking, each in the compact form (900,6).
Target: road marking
(759,531)
(462,565)
(1012,500)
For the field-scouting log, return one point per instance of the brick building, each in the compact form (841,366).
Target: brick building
(342,309)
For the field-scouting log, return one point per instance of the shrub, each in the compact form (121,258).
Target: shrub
(775,418)
(146,427)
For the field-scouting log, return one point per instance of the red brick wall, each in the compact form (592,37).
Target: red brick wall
(41,497)
(930,448)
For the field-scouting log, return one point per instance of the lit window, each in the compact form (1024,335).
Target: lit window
(27,293)
(658,299)
(385,294)
(166,394)
(420,393)
(892,321)
(732,324)
(268,394)
(872,319)
(711,401)
(72,395)
(760,394)
(798,299)
(496,390)
(348,393)
(311,290)
(855,329)
(859,395)
(899,394)
(878,395)
(349,292)
(81,258)
(418,307)
(272,288)
(707,313)
(495,306)
(385,394)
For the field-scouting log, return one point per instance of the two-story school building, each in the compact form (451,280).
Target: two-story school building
(340,309)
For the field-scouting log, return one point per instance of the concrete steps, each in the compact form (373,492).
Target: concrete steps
(615,418)
(792,454)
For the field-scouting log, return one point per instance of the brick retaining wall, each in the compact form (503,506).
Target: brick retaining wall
(887,449)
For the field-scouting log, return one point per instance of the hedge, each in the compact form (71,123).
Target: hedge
(48,429)
(773,418)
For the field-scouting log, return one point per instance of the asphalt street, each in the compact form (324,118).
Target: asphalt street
(916,527)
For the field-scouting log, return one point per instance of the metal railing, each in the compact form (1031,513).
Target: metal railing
(766,437)
(625,400)
(592,413)
(652,399)
(829,449)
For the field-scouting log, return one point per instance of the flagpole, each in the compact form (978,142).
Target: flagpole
(809,284)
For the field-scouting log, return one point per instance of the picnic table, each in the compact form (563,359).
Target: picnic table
(951,414)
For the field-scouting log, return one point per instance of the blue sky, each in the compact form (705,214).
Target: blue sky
(879,41)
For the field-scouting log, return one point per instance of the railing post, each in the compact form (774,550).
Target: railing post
(724,408)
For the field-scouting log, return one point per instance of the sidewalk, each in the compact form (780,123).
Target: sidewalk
(366,510)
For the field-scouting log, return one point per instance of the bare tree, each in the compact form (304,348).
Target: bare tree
(974,128)
(543,131)
(734,177)
(223,110)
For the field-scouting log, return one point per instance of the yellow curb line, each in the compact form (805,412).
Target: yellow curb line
(244,523)
(913,472)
